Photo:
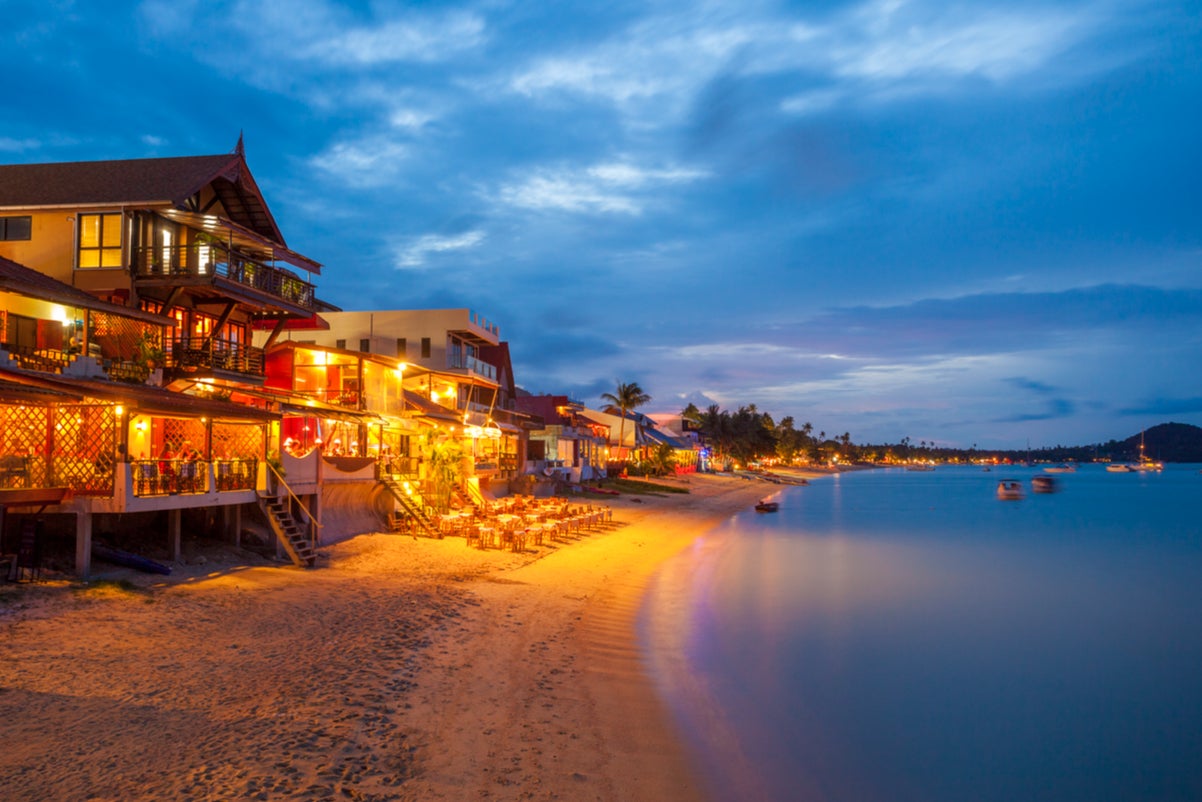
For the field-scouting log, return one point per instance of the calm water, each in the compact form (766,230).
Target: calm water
(892,635)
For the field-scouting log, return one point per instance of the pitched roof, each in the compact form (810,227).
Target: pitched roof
(134,182)
(24,281)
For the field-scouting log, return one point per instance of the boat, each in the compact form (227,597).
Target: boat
(1146,463)
(920,466)
(128,559)
(1060,469)
(767,506)
(1043,484)
(1009,490)
(1120,467)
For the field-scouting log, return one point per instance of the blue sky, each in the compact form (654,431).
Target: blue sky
(960,223)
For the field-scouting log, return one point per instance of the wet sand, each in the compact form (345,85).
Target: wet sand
(402,669)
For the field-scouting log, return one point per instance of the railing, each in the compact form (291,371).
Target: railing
(215,354)
(275,481)
(464,362)
(393,466)
(46,360)
(205,261)
(163,477)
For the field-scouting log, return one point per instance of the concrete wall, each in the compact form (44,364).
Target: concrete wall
(352,508)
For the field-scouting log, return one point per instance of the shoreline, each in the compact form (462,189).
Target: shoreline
(406,669)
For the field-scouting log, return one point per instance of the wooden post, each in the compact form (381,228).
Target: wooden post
(173,532)
(83,544)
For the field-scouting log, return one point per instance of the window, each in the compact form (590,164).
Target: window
(99,240)
(365,345)
(425,347)
(340,344)
(402,347)
(14,228)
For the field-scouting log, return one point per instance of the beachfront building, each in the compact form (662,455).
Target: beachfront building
(130,382)
(567,445)
(457,377)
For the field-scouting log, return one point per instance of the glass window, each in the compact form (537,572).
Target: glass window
(340,344)
(401,348)
(99,240)
(365,345)
(425,347)
(15,228)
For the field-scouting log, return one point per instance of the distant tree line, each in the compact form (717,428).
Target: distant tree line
(747,435)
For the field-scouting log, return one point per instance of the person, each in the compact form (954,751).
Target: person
(166,468)
(73,346)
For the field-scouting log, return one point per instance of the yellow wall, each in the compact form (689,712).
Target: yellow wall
(50,249)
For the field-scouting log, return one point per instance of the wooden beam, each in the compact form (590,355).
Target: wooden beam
(276,331)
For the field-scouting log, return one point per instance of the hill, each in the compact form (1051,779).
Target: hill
(1168,442)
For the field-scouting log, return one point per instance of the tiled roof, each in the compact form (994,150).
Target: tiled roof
(105,182)
(135,182)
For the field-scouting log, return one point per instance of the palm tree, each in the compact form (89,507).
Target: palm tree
(627,397)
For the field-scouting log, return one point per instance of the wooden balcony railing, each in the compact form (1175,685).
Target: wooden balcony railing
(215,354)
(202,263)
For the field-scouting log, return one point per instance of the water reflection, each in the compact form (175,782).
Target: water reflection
(907,637)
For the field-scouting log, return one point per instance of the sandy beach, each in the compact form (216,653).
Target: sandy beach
(401,669)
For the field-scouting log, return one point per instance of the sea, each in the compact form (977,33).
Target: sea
(894,635)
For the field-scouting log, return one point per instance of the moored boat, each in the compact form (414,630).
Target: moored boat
(767,506)
(1060,469)
(1043,484)
(1009,490)
(1120,467)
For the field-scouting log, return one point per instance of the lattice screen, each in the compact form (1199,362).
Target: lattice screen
(181,433)
(22,441)
(118,336)
(238,440)
(82,455)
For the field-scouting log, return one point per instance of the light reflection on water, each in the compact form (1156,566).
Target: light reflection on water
(906,636)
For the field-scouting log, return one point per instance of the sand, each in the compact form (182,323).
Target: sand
(401,669)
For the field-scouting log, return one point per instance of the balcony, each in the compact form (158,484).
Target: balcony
(464,362)
(192,354)
(213,264)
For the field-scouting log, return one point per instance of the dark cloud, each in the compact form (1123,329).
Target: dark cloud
(1165,406)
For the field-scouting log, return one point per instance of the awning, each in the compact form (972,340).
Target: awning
(140,397)
(243,238)
(426,408)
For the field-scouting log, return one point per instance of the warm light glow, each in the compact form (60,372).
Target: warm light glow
(118,410)
(140,426)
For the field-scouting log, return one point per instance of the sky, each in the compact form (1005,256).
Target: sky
(973,223)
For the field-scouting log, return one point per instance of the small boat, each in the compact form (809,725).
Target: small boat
(1043,484)
(1119,467)
(128,559)
(1009,490)
(1060,469)
(767,506)
(921,466)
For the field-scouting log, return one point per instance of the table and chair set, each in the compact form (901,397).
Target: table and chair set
(518,521)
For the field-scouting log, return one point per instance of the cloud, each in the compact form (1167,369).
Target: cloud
(609,188)
(416,253)
(1166,406)
(10,145)
(366,163)
(415,38)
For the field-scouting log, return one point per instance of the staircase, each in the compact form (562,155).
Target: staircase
(475,496)
(298,536)
(412,507)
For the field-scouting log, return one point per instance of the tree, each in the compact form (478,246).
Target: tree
(628,397)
